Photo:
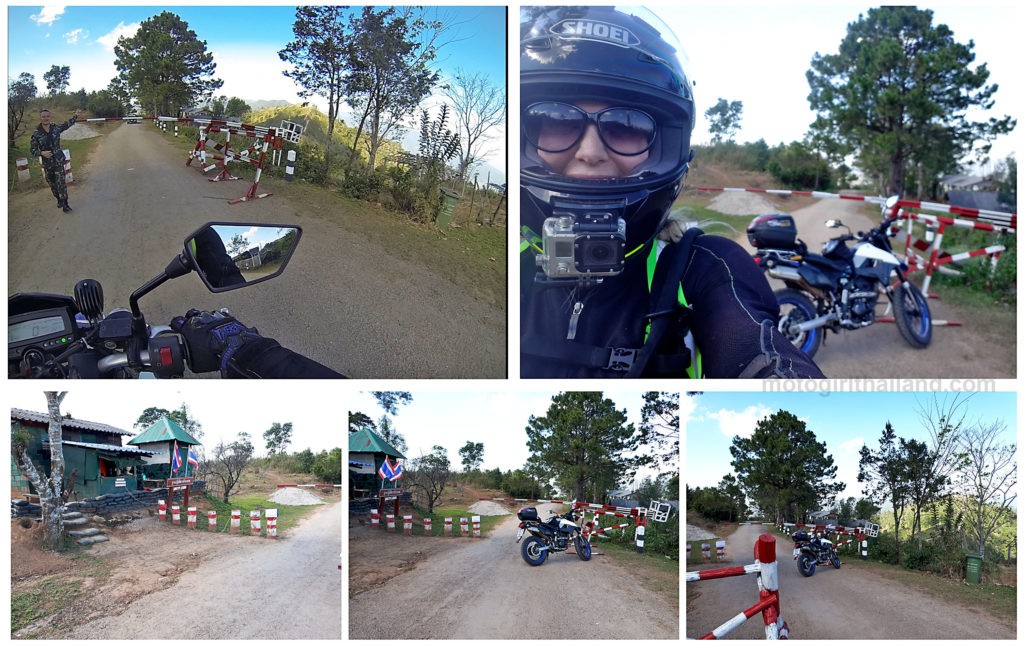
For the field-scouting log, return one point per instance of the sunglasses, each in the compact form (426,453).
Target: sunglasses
(557,126)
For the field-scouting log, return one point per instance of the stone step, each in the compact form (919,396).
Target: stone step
(72,515)
(81,521)
(95,539)
(85,532)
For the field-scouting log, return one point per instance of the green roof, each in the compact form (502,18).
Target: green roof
(367,441)
(164,430)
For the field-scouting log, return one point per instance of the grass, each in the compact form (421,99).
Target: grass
(47,598)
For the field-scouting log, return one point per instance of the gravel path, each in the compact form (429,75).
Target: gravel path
(288,588)
(343,301)
(482,589)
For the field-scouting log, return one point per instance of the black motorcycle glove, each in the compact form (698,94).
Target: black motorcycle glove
(212,339)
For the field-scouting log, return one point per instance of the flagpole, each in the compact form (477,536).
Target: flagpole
(187,455)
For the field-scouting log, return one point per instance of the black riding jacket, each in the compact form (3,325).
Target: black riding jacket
(730,323)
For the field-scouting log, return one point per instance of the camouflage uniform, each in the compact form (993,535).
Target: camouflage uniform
(53,167)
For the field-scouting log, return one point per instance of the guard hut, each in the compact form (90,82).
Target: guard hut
(367,452)
(93,456)
(162,437)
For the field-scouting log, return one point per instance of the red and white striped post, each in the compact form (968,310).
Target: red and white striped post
(22,165)
(211,520)
(374,518)
(236,521)
(476,525)
(428,526)
(689,549)
(391,522)
(271,523)
(464,526)
(68,177)
(448,526)
(705,549)
(176,515)
(407,524)
(720,550)
(161,509)
(254,522)
(193,513)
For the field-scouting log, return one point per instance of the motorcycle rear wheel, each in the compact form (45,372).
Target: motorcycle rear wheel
(805,564)
(800,309)
(582,546)
(913,319)
(534,551)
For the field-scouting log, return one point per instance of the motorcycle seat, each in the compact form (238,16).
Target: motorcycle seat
(825,262)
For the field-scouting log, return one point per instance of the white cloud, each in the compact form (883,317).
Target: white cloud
(109,40)
(49,15)
(75,35)
(741,423)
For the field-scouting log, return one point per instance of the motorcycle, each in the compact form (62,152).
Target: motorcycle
(811,550)
(839,288)
(555,534)
(57,336)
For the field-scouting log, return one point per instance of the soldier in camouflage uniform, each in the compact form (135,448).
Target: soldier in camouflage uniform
(46,144)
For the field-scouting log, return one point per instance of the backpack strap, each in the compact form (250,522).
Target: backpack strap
(665,289)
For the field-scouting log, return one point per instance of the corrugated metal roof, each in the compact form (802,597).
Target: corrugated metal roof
(79,424)
(367,441)
(111,447)
(164,430)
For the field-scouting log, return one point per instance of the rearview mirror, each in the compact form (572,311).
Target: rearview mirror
(832,224)
(230,255)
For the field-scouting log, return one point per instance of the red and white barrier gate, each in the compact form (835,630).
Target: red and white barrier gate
(766,567)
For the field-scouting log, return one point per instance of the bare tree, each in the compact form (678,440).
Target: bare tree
(229,462)
(990,478)
(429,474)
(479,107)
(50,488)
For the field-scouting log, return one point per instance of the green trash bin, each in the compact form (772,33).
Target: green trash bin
(449,199)
(973,568)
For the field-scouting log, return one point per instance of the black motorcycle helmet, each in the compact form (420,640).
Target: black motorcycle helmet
(618,57)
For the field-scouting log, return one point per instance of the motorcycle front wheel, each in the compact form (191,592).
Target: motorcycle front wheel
(582,546)
(794,308)
(534,550)
(835,560)
(805,564)
(913,319)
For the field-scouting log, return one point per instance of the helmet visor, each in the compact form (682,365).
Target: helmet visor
(558,126)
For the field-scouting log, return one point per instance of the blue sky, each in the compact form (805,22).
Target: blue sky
(845,421)
(758,53)
(244,40)
(497,418)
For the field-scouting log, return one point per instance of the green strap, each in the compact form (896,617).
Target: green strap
(695,370)
(528,238)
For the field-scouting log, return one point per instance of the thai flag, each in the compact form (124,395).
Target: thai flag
(192,459)
(390,472)
(176,459)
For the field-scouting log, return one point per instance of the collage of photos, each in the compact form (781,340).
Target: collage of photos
(780,272)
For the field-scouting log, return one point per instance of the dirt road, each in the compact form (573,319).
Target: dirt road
(978,349)
(343,301)
(482,589)
(249,588)
(845,603)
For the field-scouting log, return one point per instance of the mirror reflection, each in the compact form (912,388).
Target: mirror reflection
(235,255)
